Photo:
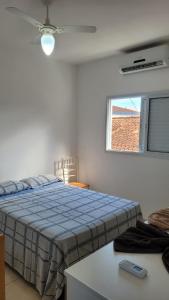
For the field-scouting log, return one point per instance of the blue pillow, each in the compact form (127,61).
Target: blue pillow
(36,181)
(11,187)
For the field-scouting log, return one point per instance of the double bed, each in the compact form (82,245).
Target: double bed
(51,227)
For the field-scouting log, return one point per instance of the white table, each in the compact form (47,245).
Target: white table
(98,277)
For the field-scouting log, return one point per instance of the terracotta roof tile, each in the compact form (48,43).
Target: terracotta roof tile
(122,109)
(125,133)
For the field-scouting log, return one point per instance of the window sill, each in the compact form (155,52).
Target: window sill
(141,153)
(124,152)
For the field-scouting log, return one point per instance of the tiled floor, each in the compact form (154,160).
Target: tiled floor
(18,289)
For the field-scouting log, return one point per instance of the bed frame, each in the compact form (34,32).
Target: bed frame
(2,268)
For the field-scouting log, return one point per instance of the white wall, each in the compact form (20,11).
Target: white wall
(135,177)
(37,112)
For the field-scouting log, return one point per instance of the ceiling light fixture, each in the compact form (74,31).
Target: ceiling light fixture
(47,43)
(47,30)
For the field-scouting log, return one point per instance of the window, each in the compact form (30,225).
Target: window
(158,125)
(138,124)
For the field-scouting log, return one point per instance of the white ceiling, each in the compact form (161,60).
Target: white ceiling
(120,23)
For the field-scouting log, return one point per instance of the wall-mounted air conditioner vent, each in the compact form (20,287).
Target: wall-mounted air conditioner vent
(142,67)
(149,59)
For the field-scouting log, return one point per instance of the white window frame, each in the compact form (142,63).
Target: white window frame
(144,123)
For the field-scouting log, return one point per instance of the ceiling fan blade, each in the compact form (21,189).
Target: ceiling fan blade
(24,16)
(79,28)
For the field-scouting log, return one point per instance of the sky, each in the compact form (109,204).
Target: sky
(131,103)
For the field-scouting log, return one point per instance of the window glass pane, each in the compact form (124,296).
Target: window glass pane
(125,129)
(158,140)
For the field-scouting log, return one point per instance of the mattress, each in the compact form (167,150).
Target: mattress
(48,229)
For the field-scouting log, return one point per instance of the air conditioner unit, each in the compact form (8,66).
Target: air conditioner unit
(144,60)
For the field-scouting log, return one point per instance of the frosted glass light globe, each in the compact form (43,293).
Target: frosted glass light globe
(47,43)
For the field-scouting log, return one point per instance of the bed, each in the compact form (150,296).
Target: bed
(49,228)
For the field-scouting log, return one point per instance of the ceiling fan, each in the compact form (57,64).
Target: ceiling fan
(48,30)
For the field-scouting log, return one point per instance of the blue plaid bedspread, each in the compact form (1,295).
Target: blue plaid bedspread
(48,229)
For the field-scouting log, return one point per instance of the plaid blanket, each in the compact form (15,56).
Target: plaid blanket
(48,229)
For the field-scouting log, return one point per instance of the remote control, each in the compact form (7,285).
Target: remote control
(133,268)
